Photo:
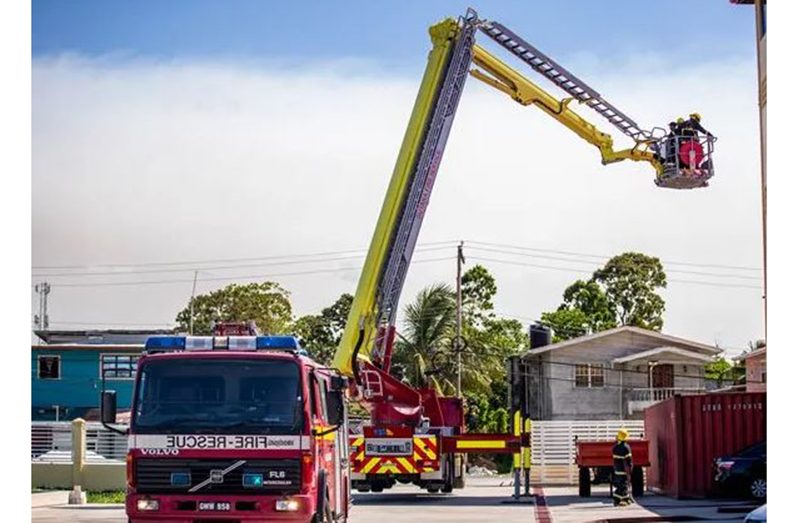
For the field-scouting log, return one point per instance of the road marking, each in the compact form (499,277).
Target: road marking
(542,514)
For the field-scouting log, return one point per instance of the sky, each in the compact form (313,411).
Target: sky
(255,140)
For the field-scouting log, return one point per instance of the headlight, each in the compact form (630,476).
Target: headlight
(147,504)
(286,505)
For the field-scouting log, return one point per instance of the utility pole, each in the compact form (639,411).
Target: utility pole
(458,347)
(191,305)
(42,320)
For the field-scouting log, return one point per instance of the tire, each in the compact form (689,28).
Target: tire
(376,488)
(638,483)
(758,488)
(584,482)
(448,480)
(323,512)
(433,490)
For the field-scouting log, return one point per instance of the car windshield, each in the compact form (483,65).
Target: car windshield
(219,395)
(753,451)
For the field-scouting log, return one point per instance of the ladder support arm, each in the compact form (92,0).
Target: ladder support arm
(501,76)
(363,323)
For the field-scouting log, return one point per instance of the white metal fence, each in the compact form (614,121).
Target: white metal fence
(51,442)
(554,446)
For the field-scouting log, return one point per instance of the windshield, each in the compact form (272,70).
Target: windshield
(219,395)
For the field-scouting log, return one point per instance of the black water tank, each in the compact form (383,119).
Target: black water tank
(539,335)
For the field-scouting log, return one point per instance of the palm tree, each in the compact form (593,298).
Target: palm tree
(429,323)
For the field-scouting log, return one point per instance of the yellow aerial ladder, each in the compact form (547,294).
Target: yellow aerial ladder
(366,345)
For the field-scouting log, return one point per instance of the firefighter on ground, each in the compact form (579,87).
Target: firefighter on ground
(622,470)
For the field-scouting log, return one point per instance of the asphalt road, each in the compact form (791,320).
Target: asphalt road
(484,500)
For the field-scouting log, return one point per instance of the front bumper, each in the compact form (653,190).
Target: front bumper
(175,508)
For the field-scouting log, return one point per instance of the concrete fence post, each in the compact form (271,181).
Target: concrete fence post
(77,496)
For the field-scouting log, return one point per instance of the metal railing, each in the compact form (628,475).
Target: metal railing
(661,394)
(51,442)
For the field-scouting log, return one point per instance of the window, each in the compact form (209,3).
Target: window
(589,375)
(323,397)
(49,367)
(118,366)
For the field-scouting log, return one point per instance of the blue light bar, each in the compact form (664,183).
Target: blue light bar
(165,343)
(278,342)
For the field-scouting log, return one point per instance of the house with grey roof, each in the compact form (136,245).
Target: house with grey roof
(613,374)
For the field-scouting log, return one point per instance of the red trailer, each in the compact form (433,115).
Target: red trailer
(687,433)
(597,455)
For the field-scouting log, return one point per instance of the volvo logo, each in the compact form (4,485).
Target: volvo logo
(217,476)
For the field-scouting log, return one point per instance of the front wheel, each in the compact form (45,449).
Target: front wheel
(323,510)
(758,488)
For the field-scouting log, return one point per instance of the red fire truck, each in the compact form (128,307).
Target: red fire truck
(241,427)
(416,435)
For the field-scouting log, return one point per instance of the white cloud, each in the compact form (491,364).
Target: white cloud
(135,161)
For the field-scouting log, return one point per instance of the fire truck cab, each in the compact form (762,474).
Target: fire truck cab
(244,428)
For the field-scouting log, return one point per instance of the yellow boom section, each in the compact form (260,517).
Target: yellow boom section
(506,79)
(363,312)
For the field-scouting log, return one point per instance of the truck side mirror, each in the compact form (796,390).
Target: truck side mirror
(335,407)
(108,407)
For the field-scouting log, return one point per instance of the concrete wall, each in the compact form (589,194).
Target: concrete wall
(555,396)
(90,476)
(94,476)
(755,369)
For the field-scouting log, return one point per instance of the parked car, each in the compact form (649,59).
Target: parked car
(759,515)
(744,473)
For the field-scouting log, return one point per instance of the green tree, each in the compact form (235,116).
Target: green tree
(585,309)
(265,303)
(722,370)
(321,333)
(428,327)
(630,281)
(478,287)
(566,323)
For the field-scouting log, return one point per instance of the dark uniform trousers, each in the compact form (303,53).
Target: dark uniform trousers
(622,461)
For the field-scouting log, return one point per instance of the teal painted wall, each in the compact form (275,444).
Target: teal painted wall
(79,386)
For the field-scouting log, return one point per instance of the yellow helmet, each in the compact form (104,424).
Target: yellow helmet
(696,116)
(680,120)
(623,435)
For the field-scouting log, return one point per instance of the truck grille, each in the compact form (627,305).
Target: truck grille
(280,476)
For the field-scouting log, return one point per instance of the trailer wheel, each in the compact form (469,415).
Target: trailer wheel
(584,482)
(448,477)
(376,487)
(638,486)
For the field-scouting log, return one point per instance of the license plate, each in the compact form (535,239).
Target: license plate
(214,505)
(389,447)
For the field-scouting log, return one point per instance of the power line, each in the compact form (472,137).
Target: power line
(221,267)
(228,278)
(351,251)
(607,257)
(572,270)
(591,262)
(222,260)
